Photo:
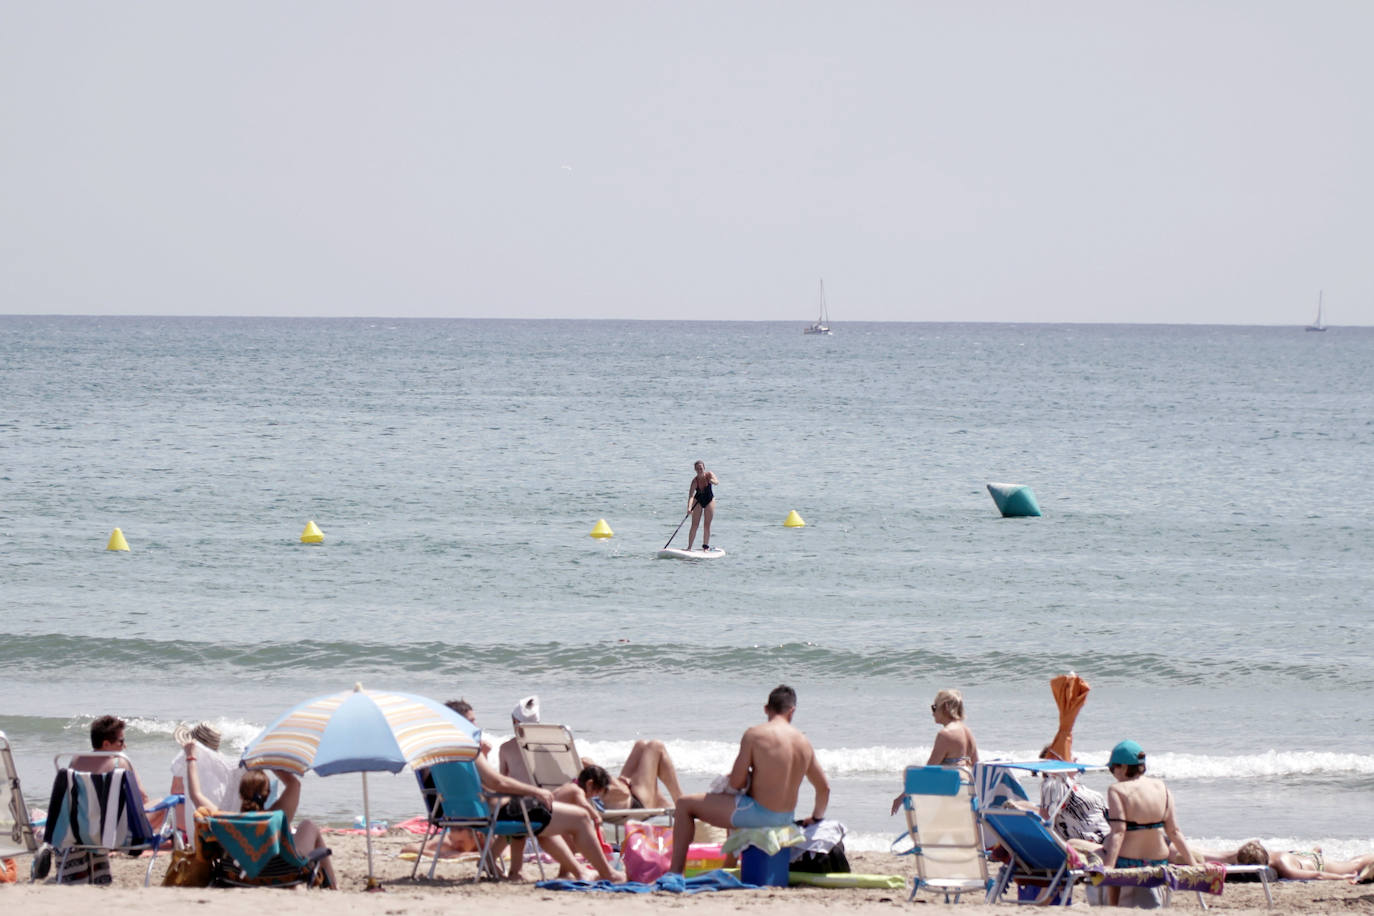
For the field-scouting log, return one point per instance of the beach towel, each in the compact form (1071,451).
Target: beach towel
(768,840)
(103,810)
(672,884)
(1209,878)
(252,839)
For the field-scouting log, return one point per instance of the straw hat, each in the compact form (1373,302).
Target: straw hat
(204,733)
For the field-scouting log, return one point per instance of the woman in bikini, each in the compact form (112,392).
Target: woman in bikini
(954,744)
(701,502)
(1140,812)
(1299,865)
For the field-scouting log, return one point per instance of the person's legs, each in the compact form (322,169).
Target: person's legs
(307,838)
(713,809)
(1349,866)
(692,533)
(575,826)
(647,764)
(517,857)
(707,514)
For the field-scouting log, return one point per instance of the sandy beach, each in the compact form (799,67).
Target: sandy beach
(455,887)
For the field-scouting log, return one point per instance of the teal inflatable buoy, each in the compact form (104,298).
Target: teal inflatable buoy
(1014,500)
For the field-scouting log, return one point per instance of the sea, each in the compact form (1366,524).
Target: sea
(1205,557)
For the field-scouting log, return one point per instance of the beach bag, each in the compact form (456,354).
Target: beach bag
(188,868)
(822,863)
(647,851)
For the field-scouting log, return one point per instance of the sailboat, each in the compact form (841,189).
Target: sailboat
(1318,326)
(822,325)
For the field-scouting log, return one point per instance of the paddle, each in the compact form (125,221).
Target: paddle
(680,524)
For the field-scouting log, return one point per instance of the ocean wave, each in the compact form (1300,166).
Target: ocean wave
(619,660)
(710,758)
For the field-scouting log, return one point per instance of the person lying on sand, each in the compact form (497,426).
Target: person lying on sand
(773,759)
(1306,865)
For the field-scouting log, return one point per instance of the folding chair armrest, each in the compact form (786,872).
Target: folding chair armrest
(316,855)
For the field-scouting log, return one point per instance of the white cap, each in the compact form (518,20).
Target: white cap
(526,711)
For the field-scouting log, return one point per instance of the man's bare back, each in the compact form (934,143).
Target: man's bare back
(772,762)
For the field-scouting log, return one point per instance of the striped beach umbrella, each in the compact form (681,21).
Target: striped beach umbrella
(362,731)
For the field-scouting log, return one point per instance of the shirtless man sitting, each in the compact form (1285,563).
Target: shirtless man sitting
(772,761)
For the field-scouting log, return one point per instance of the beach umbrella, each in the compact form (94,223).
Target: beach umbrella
(363,731)
(1070,693)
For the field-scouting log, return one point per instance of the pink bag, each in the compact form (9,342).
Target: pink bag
(647,851)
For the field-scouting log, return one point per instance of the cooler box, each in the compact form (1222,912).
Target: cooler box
(759,868)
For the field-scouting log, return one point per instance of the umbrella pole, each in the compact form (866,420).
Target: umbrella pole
(372,883)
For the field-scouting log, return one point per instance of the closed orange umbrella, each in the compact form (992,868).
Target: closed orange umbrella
(1070,693)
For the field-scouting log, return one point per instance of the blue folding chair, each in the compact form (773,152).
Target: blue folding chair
(1039,859)
(942,825)
(455,800)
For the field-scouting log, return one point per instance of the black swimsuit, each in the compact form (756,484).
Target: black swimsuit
(704,496)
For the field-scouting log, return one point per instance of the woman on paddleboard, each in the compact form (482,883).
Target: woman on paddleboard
(701,502)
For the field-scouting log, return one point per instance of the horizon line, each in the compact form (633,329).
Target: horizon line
(847,322)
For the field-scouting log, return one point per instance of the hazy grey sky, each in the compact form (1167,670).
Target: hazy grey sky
(961,160)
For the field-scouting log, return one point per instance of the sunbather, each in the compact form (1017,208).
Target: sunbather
(107,734)
(1304,865)
(590,784)
(254,790)
(1140,811)
(1080,812)
(644,769)
(773,759)
(558,825)
(954,743)
(219,776)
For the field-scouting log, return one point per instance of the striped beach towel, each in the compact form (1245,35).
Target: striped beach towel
(96,810)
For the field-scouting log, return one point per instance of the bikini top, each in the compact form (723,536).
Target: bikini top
(1155,825)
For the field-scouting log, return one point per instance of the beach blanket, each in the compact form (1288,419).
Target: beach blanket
(1209,878)
(670,883)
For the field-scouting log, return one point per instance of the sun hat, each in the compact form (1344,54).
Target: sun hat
(526,711)
(1127,754)
(204,733)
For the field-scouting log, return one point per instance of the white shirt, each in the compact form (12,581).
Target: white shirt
(218,776)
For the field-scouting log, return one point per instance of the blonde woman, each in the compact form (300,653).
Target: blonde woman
(954,743)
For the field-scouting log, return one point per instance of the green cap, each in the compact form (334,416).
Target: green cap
(1127,753)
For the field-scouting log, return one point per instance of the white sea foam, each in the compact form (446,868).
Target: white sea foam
(234,733)
(710,758)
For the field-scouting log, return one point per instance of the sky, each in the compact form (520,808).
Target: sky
(1097,161)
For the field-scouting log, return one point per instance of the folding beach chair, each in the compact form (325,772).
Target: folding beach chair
(550,755)
(455,800)
(255,849)
(16,833)
(91,815)
(1039,859)
(1201,879)
(942,825)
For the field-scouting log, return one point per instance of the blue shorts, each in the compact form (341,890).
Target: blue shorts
(749,813)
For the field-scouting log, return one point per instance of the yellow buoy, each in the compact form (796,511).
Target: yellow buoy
(793,520)
(117,541)
(602,530)
(312,534)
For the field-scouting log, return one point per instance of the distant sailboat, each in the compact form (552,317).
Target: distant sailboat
(822,325)
(1318,326)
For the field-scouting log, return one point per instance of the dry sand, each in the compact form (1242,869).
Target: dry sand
(455,889)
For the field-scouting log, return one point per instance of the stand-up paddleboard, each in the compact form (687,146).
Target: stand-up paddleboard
(674,553)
